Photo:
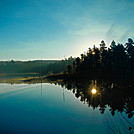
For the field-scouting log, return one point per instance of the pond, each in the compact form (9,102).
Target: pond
(60,108)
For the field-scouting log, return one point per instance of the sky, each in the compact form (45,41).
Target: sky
(55,29)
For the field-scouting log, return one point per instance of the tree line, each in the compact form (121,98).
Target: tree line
(41,67)
(114,62)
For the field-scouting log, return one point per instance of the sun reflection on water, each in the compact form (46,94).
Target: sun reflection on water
(94,91)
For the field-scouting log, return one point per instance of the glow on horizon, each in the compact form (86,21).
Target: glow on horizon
(83,47)
(31,59)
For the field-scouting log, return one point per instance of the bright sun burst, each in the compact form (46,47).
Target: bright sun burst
(94,91)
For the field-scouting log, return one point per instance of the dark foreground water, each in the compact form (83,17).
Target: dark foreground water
(49,109)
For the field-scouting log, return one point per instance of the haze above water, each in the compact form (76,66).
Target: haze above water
(47,108)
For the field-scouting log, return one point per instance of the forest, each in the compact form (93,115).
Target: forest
(41,67)
(114,62)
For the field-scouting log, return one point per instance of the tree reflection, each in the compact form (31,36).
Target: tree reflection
(116,95)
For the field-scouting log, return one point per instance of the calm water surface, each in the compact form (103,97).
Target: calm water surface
(51,109)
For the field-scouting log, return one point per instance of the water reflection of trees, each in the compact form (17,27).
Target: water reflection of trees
(118,96)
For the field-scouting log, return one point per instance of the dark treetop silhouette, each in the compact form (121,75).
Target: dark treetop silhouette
(116,62)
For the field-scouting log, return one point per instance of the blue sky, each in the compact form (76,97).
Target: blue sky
(54,29)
